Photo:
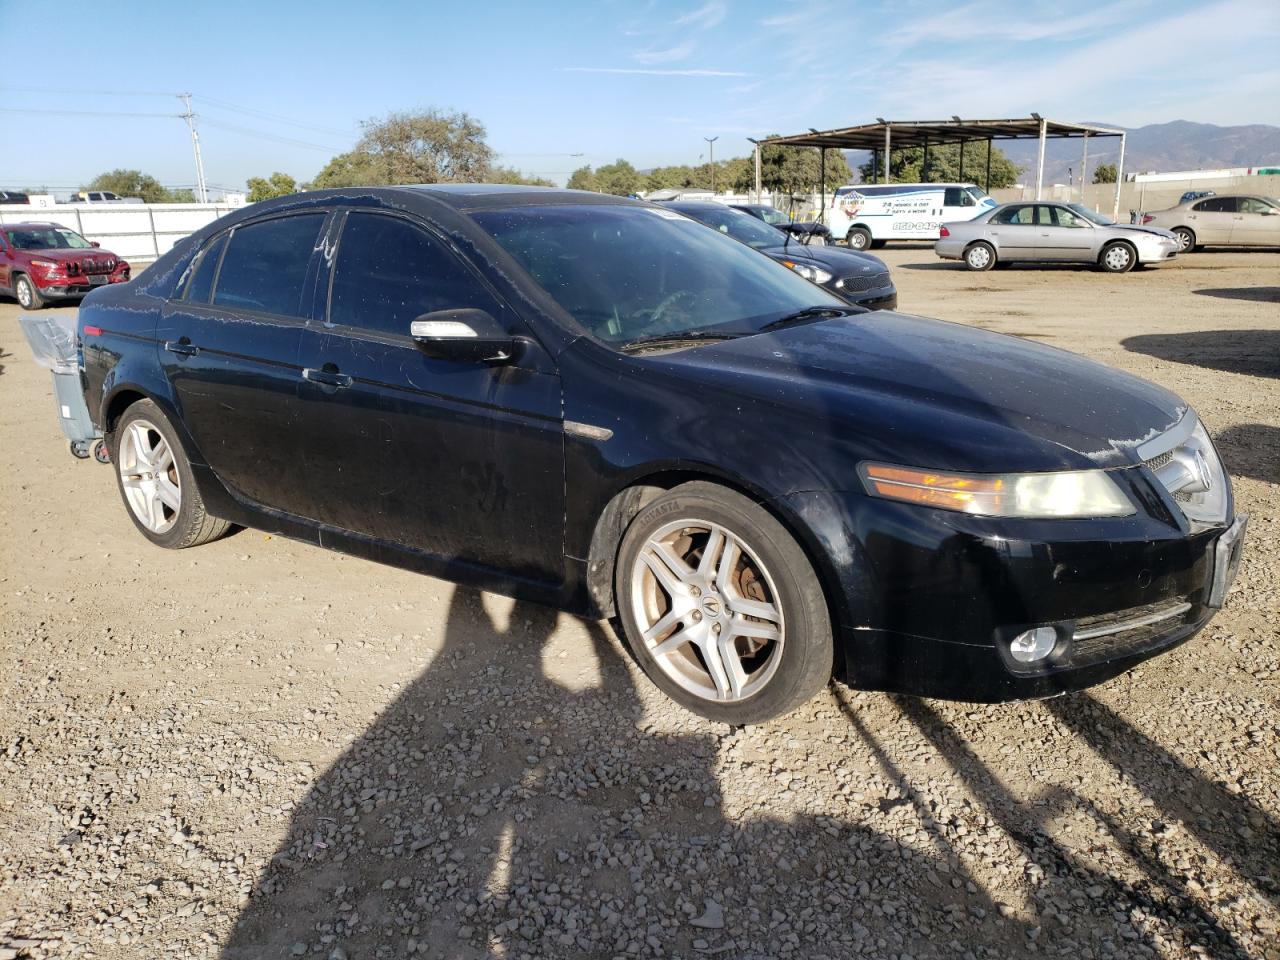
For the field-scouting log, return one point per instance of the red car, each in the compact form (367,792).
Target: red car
(47,261)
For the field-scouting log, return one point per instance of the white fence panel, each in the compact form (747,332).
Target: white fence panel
(136,231)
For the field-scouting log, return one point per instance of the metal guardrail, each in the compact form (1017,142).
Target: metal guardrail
(135,231)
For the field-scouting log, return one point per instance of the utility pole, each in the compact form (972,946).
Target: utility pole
(711,148)
(190,117)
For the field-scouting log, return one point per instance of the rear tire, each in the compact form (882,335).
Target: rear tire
(27,293)
(858,238)
(1186,239)
(1117,257)
(980,256)
(156,482)
(720,606)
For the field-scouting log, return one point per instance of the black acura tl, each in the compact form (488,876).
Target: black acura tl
(602,405)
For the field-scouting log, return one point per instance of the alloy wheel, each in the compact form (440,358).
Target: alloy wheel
(24,291)
(707,610)
(149,475)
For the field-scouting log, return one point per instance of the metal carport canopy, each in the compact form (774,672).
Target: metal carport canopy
(884,135)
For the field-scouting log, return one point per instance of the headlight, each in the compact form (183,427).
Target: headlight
(816,274)
(1073,493)
(46,264)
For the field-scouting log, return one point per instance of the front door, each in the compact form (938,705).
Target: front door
(229,347)
(1064,234)
(462,460)
(1256,223)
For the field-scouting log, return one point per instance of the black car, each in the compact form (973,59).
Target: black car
(804,230)
(13,196)
(853,276)
(599,404)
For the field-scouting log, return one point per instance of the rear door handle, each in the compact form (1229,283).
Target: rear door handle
(330,378)
(182,347)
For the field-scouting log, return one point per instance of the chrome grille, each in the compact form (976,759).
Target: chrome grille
(1110,635)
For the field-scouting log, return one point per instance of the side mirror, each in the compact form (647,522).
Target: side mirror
(94,243)
(464,334)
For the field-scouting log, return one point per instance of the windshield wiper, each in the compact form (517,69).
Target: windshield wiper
(824,312)
(674,340)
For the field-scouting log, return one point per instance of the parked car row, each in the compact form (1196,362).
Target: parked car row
(607,406)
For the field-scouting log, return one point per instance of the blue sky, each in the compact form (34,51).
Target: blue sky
(641,79)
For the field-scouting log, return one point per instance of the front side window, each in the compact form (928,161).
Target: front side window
(626,273)
(1064,217)
(957,197)
(388,272)
(266,263)
(1254,205)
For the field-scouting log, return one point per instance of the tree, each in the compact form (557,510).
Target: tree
(944,166)
(265,188)
(511,175)
(183,195)
(619,178)
(130,183)
(1105,173)
(433,146)
(583,178)
(791,170)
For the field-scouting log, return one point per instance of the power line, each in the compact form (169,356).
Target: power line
(87,113)
(263,135)
(265,115)
(82,92)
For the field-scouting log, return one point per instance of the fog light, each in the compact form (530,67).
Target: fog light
(1033,645)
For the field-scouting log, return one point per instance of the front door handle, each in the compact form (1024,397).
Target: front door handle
(330,378)
(183,347)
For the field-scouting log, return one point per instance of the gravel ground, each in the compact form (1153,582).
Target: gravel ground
(261,749)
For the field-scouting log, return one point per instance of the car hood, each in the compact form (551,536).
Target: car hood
(94,256)
(939,395)
(1134,228)
(842,263)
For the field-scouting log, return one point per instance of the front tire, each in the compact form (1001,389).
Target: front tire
(858,238)
(1118,257)
(720,606)
(980,256)
(156,482)
(27,293)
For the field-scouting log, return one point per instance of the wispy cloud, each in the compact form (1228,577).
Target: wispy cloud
(705,17)
(669,55)
(656,73)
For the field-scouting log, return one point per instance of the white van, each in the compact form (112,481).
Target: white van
(866,214)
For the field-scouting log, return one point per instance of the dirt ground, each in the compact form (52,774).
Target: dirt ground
(258,748)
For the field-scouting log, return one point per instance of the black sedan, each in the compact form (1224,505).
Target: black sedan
(599,404)
(855,277)
(803,230)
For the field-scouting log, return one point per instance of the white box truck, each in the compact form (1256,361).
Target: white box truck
(867,215)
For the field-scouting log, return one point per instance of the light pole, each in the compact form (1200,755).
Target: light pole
(711,152)
(757,146)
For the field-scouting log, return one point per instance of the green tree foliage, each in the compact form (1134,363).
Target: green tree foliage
(432,146)
(583,178)
(510,175)
(790,170)
(1105,173)
(183,195)
(131,183)
(944,166)
(619,178)
(265,188)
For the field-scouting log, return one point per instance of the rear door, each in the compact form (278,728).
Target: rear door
(1256,223)
(1212,219)
(459,459)
(1013,230)
(229,347)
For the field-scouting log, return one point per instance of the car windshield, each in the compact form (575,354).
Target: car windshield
(629,273)
(1093,216)
(977,193)
(741,226)
(46,238)
(772,216)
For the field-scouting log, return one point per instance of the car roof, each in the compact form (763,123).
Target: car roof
(478,196)
(33,223)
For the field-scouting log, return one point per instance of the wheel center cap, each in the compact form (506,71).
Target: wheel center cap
(711,605)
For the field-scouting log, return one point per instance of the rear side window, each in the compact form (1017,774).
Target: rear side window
(389,272)
(1217,205)
(201,284)
(265,266)
(1015,215)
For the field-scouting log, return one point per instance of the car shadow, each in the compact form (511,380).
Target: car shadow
(1251,450)
(1254,353)
(1257,294)
(492,811)
(4,355)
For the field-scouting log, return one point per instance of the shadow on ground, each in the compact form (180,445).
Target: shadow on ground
(1254,353)
(494,812)
(1251,450)
(1258,294)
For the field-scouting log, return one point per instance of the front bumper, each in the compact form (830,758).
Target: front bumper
(62,285)
(1157,252)
(929,601)
(879,298)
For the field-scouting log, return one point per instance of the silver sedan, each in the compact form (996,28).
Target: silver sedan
(1052,233)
